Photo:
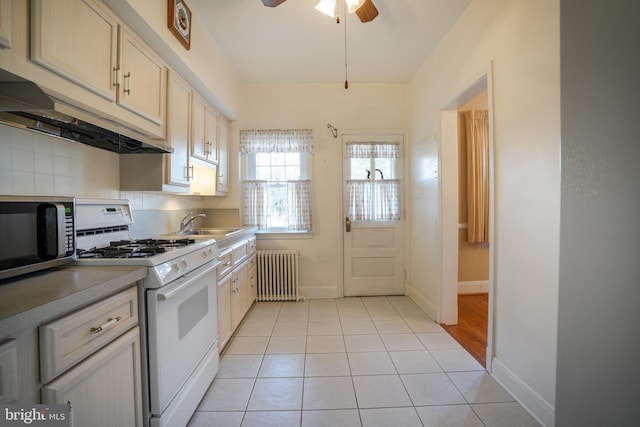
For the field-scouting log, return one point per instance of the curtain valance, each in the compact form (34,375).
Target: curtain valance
(372,150)
(276,141)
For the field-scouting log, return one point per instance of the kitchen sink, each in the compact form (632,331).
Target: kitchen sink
(219,232)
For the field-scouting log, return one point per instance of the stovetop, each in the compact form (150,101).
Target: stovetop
(140,248)
(103,239)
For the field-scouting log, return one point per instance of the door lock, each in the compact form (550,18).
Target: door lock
(347,223)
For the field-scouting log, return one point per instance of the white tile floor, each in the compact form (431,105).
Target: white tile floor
(375,361)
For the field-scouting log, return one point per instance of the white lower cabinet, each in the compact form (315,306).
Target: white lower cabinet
(239,294)
(237,287)
(105,389)
(224,310)
(91,358)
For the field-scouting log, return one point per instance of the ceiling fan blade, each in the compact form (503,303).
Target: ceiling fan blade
(367,12)
(272,3)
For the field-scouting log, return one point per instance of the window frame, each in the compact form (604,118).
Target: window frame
(249,173)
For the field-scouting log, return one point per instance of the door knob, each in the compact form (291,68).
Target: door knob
(347,223)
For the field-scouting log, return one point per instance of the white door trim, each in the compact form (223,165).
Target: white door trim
(448,310)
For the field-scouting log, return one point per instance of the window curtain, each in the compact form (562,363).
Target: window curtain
(375,199)
(299,198)
(359,195)
(372,150)
(477,132)
(255,203)
(387,196)
(276,141)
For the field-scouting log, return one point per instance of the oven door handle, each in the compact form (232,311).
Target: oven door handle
(184,282)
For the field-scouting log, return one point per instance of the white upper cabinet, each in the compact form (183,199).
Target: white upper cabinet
(82,41)
(222,186)
(77,40)
(5,24)
(178,169)
(142,78)
(204,144)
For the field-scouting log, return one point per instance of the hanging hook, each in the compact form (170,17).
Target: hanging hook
(333,130)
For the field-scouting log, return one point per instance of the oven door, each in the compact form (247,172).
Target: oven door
(182,325)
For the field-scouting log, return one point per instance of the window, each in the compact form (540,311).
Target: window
(276,184)
(372,188)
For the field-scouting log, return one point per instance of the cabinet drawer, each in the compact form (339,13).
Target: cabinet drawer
(226,264)
(70,339)
(240,252)
(251,243)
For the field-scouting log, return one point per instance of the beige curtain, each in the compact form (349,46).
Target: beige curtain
(477,130)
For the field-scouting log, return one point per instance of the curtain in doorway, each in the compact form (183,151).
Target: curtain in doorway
(477,131)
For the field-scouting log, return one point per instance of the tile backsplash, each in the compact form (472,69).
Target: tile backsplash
(35,164)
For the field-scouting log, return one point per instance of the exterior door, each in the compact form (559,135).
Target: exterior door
(373,224)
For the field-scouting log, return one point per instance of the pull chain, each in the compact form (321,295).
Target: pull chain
(346,70)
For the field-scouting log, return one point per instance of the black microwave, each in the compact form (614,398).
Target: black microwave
(35,233)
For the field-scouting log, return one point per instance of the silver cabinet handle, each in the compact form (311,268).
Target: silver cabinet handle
(127,83)
(106,325)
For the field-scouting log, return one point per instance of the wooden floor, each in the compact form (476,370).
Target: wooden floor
(471,330)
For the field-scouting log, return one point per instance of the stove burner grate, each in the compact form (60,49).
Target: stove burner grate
(142,248)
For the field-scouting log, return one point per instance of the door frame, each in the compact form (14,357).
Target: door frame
(355,133)
(448,310)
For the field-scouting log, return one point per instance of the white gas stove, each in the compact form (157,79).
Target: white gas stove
(178,306)
(103,239)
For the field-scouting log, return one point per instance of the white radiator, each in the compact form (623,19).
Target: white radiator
(278,275)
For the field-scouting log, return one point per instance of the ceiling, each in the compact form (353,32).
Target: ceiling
(294,43)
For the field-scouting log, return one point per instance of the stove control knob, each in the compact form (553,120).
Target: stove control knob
(175,268)
(184,263)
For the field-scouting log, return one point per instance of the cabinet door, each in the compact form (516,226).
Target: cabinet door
(178,128)
(224,310)
(105,389)
(199,148)
(76,39)
(5,24)
(212,135)
(143,79)
(222,186)
(239,294)
(253,281)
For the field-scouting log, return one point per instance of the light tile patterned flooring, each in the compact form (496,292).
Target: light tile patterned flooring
(374,361)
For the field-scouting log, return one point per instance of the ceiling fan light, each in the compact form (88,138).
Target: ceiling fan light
(328,7)
(353,5)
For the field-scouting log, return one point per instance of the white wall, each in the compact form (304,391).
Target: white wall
(598,337)
(521,39)
(312,106)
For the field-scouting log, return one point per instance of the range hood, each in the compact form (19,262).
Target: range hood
(25,105)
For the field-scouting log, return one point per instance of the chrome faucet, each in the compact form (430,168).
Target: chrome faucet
(188,219)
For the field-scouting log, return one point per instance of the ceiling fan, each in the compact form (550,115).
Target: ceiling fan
(365,9)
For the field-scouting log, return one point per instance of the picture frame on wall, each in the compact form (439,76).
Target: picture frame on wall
(179,21)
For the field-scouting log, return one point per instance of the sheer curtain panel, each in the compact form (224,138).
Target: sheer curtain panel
(299,195)
(255,203)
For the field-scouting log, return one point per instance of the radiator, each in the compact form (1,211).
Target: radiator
(278,275)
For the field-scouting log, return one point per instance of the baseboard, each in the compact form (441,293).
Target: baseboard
(423,302)
(315,292)
(539,408)
(473,287)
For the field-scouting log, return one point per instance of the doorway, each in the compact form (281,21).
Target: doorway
(466,291)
